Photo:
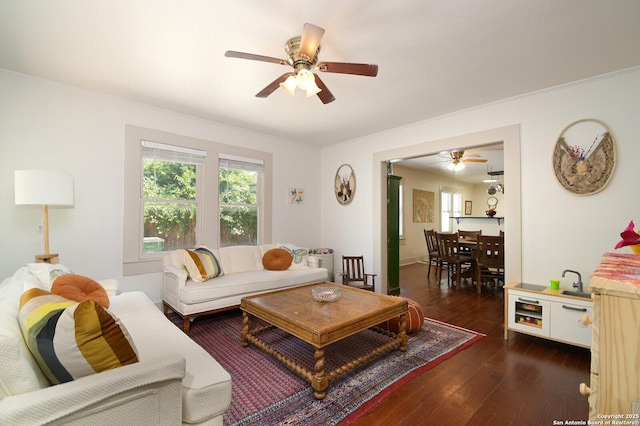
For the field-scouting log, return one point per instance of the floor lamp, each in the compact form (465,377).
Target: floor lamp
(44,188)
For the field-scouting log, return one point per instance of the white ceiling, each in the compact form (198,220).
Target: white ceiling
(434,56)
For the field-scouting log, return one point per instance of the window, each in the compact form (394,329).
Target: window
(450,206)
(171,177)
(445,211)
(457,204)
(239,199)
(171,196)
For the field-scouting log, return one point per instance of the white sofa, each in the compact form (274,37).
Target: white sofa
(174,382)
(244,275)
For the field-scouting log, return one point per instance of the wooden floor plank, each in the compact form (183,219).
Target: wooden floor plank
(522,381)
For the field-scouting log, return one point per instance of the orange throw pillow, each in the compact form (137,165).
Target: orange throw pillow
(80,288)
(277,259)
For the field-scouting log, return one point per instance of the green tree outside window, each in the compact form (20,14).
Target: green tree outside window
(170,206)
(238,199)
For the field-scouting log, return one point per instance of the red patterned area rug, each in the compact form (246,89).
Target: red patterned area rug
(265,392)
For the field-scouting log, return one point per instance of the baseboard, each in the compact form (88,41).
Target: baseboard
(412,260)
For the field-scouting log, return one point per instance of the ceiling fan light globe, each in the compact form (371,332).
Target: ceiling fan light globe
(451,166)
(458,167)
(305,79)
(310,41)
(289,85)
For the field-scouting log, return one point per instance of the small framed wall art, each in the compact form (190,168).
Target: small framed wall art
(422,206)
(345,184)
(467,208)
(296,196)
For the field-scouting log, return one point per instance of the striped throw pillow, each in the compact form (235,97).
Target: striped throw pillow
(201,264)
(70,340)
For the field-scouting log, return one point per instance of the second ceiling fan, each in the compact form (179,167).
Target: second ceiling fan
(302,55)
(458,159)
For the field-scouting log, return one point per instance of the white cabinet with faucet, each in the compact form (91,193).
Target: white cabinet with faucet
(542,312)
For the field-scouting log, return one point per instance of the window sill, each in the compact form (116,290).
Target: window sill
(139,267)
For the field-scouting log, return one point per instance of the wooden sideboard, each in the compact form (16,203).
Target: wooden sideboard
(615,350)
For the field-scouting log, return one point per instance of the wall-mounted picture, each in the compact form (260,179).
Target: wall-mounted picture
(467,208)
(423,206)
(296,196)
(345,184)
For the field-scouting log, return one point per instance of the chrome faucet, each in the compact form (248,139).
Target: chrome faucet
(578,285)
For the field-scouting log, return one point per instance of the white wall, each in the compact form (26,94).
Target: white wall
(480,206)
(559,230)
(49,126)
(45,125)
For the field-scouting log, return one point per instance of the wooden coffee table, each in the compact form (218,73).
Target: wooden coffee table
(323,323)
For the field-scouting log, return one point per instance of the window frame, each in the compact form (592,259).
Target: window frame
(134,260)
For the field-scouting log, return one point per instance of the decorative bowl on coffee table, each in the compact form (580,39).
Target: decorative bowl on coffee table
(325,293)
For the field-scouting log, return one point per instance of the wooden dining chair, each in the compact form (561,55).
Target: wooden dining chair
(458,264)
(490,261)
(353,273)
(434,253)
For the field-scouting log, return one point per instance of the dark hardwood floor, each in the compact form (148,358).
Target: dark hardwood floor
(522,381)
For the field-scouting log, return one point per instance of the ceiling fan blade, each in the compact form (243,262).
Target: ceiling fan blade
(368,70)
(309,41)
(325,95)
(474,160)
(271,87)
(251,56)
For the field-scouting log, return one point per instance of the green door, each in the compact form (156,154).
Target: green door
(393,234)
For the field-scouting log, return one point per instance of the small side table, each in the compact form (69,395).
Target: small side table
(326,260)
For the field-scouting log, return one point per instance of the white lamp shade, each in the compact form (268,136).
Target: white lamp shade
(38,187)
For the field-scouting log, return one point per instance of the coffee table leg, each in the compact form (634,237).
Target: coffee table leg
(319,381)
(403,333)
(245,329)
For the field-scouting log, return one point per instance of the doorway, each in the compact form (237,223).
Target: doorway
(510,137)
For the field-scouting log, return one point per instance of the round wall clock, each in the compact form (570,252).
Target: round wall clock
(584,157)
(345,184)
